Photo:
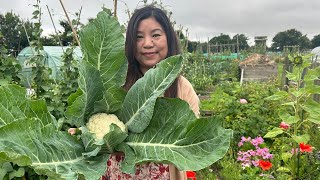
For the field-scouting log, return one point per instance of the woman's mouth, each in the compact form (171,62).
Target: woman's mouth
(149,54)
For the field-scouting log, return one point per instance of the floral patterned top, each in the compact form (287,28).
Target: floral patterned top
(147,171)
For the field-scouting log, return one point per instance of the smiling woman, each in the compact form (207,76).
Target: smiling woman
(140,34)
(150,38)
(151,44)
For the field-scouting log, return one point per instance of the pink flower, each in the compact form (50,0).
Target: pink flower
(284,125)
(256,141)
(240,144)
(260,151)
(255,162)
(253,157)
(244,139)
(252,152)
(294,151)
(243,101)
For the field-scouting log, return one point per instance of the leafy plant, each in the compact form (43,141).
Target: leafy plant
(230,169)
(65,85)
(40,71)
(160,129)
(204,73)
(299,111)
(245,111)
(246,119)
(9,69)
(197,71)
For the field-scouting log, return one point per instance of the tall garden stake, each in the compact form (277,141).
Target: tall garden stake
(55,29)
(70,23)
(115,8)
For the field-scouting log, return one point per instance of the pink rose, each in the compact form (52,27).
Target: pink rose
(243,101)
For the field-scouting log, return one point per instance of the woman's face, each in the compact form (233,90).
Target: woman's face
(152,46)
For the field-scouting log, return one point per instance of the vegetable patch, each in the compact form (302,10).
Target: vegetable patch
(149,127)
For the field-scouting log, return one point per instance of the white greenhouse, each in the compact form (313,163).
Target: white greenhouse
(316,52)
(52,59)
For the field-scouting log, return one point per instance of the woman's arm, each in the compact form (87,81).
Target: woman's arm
(188,94)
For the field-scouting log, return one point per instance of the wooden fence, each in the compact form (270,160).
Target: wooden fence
(315,64)
(288,67)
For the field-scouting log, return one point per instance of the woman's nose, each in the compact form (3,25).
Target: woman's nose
(148,42)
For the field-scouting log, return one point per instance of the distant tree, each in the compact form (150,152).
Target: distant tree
(65,35)
(221,39)
(9,28)
(242,40)
(200,47)
(315,42)
(15,32)
(192,46)
(304,43)
(50,41)
(290,37)
(3,46)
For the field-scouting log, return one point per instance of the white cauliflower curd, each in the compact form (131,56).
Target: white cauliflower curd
(99,124)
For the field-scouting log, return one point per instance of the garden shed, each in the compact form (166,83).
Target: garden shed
(258,67)
(52,59)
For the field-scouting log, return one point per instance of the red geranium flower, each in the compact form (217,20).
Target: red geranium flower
(191,175)
(305,147)
(284,125)
(265,165)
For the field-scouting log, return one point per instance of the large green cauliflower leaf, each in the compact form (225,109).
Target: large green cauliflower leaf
(138,106)
(175,135)
(29,142)
(12,107)
(102,70)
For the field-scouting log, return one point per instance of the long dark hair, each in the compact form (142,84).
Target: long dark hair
(160,16)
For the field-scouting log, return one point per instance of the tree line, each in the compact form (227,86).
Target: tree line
(15,34)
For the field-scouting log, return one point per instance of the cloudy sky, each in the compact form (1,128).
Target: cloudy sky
(204,19)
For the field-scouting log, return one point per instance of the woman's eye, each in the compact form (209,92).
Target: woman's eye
(156,35)
(139,37)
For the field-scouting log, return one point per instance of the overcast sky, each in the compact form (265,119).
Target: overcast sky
(204,19)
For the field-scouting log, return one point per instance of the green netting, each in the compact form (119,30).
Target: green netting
(220,56)
(52,59)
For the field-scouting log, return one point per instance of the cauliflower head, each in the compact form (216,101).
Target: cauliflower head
(99,124)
